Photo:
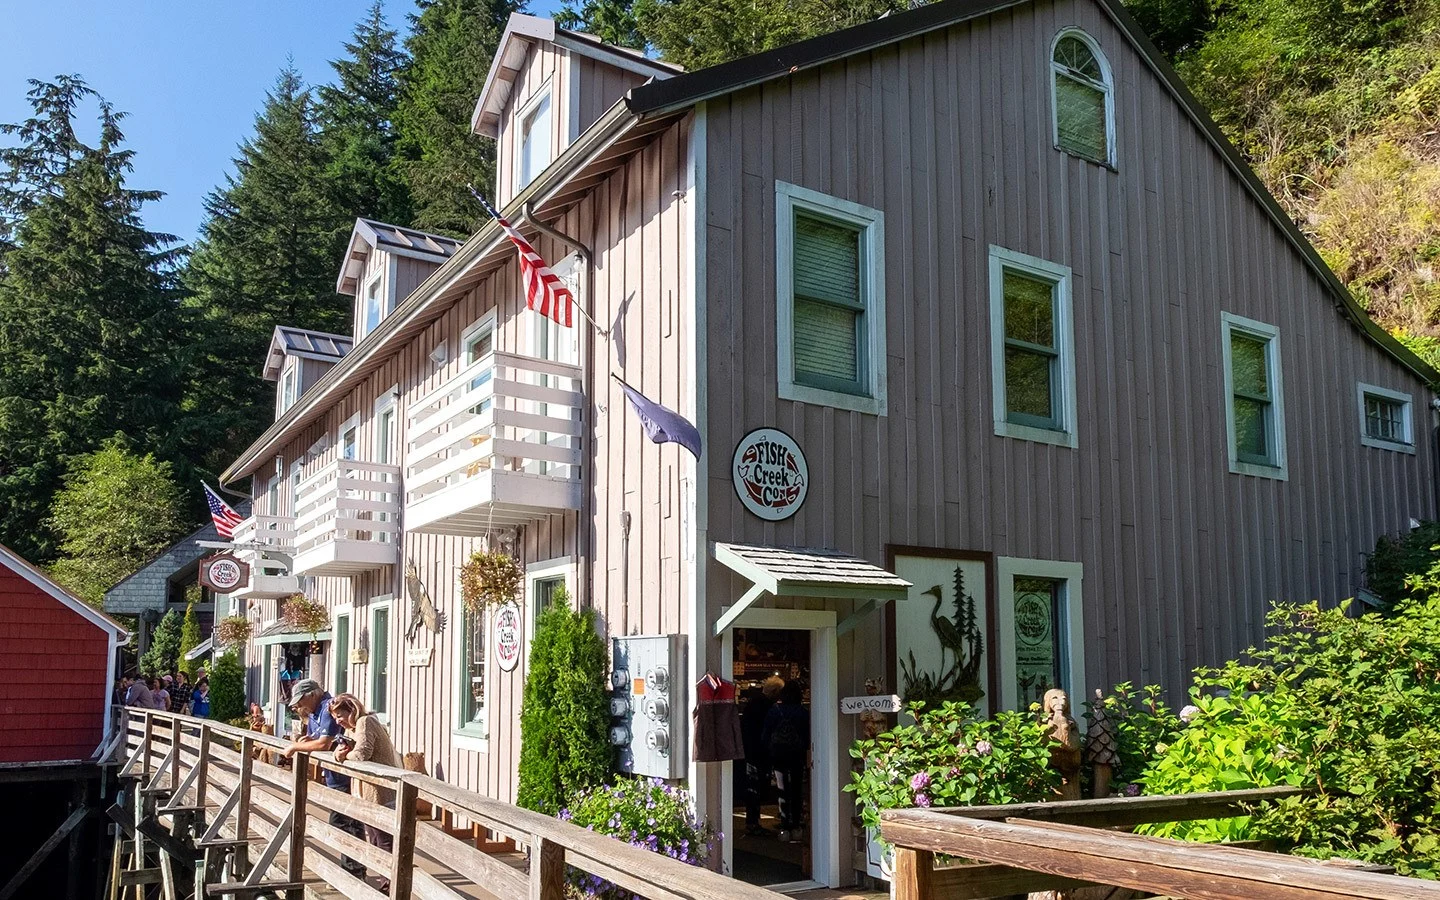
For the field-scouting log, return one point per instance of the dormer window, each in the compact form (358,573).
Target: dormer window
(289,387)
(533,153)
(374,304)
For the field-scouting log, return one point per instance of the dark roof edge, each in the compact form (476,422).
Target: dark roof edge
(676,93)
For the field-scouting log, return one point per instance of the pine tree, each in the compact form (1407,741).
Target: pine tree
(698,33)
(356,116)
(612,21)
(268,256)
(164,649)
(189,636)
(92,339)
(451,44)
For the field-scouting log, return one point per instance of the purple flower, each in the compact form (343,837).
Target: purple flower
(919,781)
(983,748)
(1132,790)
(923,800)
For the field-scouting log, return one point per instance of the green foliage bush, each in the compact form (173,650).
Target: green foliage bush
(1142,722)
(189,640)
(227,688)
(1348,708)
(565,715)
(1397,557)
(645,812)
(164,649)
(948,757)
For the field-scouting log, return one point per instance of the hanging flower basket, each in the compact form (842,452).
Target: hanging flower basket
(233,632)
(305,614)
(490,577)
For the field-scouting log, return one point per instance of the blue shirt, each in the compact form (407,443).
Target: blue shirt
(320,724)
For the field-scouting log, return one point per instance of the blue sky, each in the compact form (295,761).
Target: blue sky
(191,74)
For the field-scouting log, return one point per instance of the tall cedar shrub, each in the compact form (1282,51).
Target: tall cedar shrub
(189,638)
(164,647)
(227,688)
(564,719)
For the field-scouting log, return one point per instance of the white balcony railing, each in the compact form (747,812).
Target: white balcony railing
(498,444)
(267,543)
(347,518)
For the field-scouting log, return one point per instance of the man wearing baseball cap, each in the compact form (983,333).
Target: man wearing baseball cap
(311,702)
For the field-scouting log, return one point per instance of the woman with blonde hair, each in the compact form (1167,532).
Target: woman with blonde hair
(369,742)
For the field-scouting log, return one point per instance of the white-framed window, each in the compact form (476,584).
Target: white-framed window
(380,656)
(477,355)
(1040,622)
(1254,397)
(1032,348)
(1386,418)
(385,426)
(551,340)
(542,579)
(471,678)
(1082,95)
(830,300)
(341,643)
(374,303)
(532,150)
(348,438)
(289,385)
(297,471)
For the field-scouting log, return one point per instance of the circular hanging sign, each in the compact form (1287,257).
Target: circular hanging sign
(770,474)
(507,636)
(224,573)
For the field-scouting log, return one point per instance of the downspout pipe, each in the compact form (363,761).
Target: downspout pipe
(587,512)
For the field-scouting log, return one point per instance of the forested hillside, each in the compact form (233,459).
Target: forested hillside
(124,355)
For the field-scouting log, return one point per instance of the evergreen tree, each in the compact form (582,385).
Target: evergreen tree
(451,44)
(164,649)
(116,511)
(268,256)
(356,116)
(612,21)
(92,340)
(227,689)
(699,33)
(190,634)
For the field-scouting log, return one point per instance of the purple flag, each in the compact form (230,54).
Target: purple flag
(662,424)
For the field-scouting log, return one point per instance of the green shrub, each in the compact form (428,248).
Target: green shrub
(189,640)
(1348,708)
(645,812)
(1142,722)
(950,758)
(164,649)
(565,714)
(1396,558)
(227,688)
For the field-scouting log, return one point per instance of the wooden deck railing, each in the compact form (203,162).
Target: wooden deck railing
(1058,846)
(210,795)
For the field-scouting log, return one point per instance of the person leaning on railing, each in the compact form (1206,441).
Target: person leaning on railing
(368,742)
(312,703)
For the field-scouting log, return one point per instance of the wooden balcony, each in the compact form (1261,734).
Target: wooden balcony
(497,445)
(347,519)
(267,543)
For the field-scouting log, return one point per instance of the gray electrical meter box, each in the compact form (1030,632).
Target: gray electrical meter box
(649,705)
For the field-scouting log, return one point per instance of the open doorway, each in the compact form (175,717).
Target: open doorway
(771,816)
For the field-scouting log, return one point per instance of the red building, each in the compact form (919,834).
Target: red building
(57,672)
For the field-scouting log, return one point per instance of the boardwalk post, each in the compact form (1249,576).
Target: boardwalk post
(299,795)
(145,741)
(914,870)
(176,732)
(202,763)
(402,864)
(547,870)
(241,860)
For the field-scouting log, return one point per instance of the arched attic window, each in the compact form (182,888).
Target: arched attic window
(1083,95)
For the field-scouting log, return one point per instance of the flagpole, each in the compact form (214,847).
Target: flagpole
(495,214)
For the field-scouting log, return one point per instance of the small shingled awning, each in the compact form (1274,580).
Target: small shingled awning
(808,572)
(283,632)
(201,649)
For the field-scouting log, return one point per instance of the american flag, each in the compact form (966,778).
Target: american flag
(544,291)
(225,518)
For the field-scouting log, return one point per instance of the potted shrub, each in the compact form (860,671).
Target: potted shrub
(233,632)
(490,577)
(308,615)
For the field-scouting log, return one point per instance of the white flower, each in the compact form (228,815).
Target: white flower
(1189,714)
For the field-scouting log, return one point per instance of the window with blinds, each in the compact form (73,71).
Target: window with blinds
(1082,98)
(829,318)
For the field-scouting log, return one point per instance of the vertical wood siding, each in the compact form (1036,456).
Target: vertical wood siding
(950,135)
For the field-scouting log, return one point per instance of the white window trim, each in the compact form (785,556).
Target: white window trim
(1072,574)
(561,566)
(1000,260)
(488,320)
(1229,322)
(376,281)
(1106,75)
(789,198)
(389,400)
(384,601)
(521,114)
(1407,403)
(289,384)
(352,422)
(335,614)
(475,738)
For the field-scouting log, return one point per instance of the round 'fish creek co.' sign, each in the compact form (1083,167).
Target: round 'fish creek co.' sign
(507,636)
(770,474)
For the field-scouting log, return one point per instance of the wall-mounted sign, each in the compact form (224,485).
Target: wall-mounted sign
(870,703)
(223,573)
(359,656)
(507,636)
(770,474)
(419,656)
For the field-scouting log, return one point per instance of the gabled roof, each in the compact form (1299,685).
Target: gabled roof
(305,344)
(206,532)
(368,235)
(521,33)
(20,566)
(684,91)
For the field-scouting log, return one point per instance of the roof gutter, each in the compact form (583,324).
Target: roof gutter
(615,122)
